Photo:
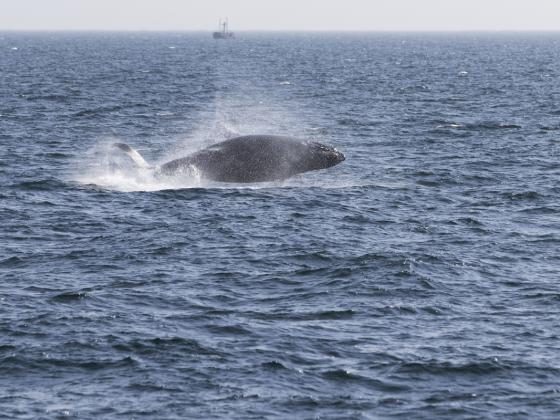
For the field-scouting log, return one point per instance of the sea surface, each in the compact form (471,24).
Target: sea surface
(420,278)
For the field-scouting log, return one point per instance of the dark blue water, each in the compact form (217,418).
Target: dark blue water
(419,278)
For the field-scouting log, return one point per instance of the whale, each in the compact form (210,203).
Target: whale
(246,159)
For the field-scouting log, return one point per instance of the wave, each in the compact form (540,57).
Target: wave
(480,125)
(38,185)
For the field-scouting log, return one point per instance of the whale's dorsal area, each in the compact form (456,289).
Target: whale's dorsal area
(255,158)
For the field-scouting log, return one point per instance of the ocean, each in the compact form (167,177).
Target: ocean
(417,279)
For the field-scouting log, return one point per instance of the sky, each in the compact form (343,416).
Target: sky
(315,15)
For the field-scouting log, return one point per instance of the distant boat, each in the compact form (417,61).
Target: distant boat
(224,32)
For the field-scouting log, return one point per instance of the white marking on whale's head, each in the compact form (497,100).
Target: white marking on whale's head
(323,156)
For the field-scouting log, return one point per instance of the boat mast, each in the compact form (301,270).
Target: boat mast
(223,30)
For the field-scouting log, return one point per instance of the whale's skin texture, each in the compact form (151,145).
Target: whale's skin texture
(255,158)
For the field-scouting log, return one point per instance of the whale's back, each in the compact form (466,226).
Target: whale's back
(254,158)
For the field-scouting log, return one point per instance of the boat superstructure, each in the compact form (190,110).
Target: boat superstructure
(224,32)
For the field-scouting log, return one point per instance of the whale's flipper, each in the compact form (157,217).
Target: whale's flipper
(134,155)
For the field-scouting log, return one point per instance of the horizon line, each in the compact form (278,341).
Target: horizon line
(284,30)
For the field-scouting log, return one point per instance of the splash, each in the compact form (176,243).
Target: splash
(104,166)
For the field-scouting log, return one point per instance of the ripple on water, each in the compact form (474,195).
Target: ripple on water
(418,279)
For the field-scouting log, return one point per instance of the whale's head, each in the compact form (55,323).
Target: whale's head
(324,156)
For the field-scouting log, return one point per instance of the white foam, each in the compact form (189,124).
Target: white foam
(107,167)
(126,181)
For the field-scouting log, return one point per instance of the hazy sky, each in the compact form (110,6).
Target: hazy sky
(373,15)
